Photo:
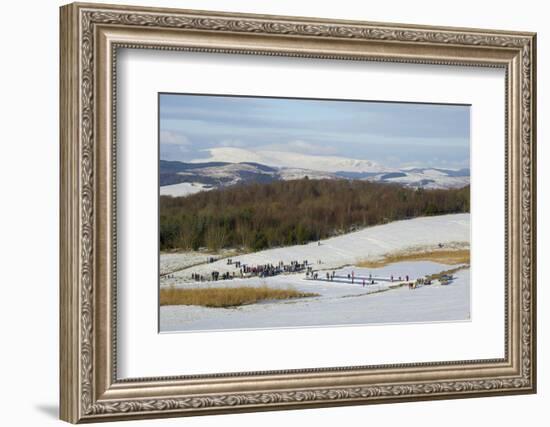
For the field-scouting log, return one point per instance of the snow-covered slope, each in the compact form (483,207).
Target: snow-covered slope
(350,248)
(199,176)
(288,174)
(183,189)
(337,304)
(181,179)
(283,159)
(426,178)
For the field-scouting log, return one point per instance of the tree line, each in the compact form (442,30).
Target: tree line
(282,213)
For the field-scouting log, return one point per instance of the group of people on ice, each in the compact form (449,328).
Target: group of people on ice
(214,275)
(352,278)
(197,277)
(261,270)
(295,266)
(419,282)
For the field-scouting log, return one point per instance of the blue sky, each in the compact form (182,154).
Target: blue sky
(392,134)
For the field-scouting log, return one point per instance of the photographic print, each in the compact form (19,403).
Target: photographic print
(303,182)
(290,212)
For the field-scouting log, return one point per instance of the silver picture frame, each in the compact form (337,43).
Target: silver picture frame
(90,37)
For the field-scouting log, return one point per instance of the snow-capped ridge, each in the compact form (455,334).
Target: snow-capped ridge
(283,159)
(230,166)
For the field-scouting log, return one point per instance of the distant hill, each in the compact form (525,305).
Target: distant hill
(426,178)
(217,174)
(292,160)
(223,174)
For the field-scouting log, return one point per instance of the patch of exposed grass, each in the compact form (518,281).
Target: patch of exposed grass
(227,297)
(444,256)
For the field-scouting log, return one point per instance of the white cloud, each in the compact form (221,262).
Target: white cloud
(173,138)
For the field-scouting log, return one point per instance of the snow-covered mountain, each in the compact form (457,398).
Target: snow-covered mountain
(426,178)
(180,179)
(282,159)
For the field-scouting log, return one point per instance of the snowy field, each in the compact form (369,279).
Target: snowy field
(338,304)
(183,189)
(170,262)
(176,261)
(348,249)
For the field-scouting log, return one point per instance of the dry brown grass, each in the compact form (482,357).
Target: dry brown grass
(444,256)
(227,297)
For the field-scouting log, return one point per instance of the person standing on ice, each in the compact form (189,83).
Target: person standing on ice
(352,277)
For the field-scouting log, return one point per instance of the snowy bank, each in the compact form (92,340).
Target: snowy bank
(338,304)
(183,189)
(367,244)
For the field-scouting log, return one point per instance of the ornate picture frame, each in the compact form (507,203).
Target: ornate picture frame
(90,37)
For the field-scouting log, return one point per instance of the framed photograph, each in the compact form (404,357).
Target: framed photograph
(266,212)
